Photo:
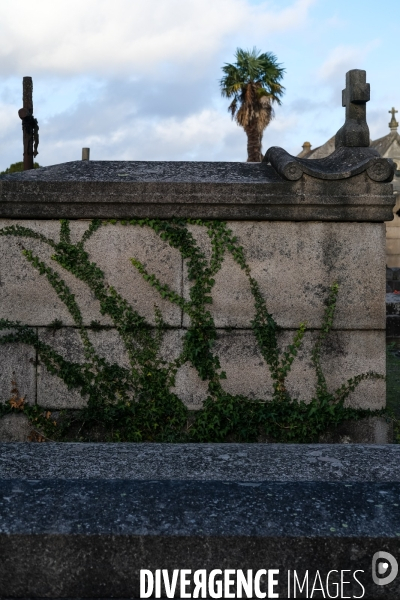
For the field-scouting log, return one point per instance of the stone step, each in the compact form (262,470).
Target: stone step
(82,520)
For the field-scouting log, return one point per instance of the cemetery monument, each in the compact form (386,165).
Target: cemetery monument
(146,289)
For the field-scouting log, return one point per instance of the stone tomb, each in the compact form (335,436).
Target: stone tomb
(298,237)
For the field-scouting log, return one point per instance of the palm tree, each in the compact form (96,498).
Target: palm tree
(254,84)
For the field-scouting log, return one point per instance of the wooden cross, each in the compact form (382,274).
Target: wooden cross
(355,96)
(30,127)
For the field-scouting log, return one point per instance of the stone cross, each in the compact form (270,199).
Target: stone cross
(355,132)
(30,127)
(393,123)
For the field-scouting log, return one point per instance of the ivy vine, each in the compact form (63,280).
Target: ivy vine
(136,403)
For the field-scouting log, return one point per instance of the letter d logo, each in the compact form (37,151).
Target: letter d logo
(387,564)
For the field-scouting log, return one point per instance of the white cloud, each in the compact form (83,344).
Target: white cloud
(289,122)
(126,36)
(204,135)
(262,19)
(138,79)
(132,79)
(206,125)
(343,58)
(8,118)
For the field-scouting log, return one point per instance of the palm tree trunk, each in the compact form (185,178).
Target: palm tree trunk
(253,142)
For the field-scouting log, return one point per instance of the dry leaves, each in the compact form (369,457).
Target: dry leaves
(35,436)
(16,401)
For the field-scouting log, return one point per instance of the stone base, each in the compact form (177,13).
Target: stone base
(374,430)
(14,428)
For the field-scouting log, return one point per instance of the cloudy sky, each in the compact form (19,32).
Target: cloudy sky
(139,79)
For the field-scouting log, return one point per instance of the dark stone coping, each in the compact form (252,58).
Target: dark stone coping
(241,191)
(150,171)
(201,462)
(81,520)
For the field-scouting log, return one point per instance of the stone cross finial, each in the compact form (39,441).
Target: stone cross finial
(355,131)
(393,123)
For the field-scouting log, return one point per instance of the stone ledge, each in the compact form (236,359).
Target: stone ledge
(201,462)
(203,506)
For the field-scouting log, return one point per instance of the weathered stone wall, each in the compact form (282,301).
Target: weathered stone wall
(311,255)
